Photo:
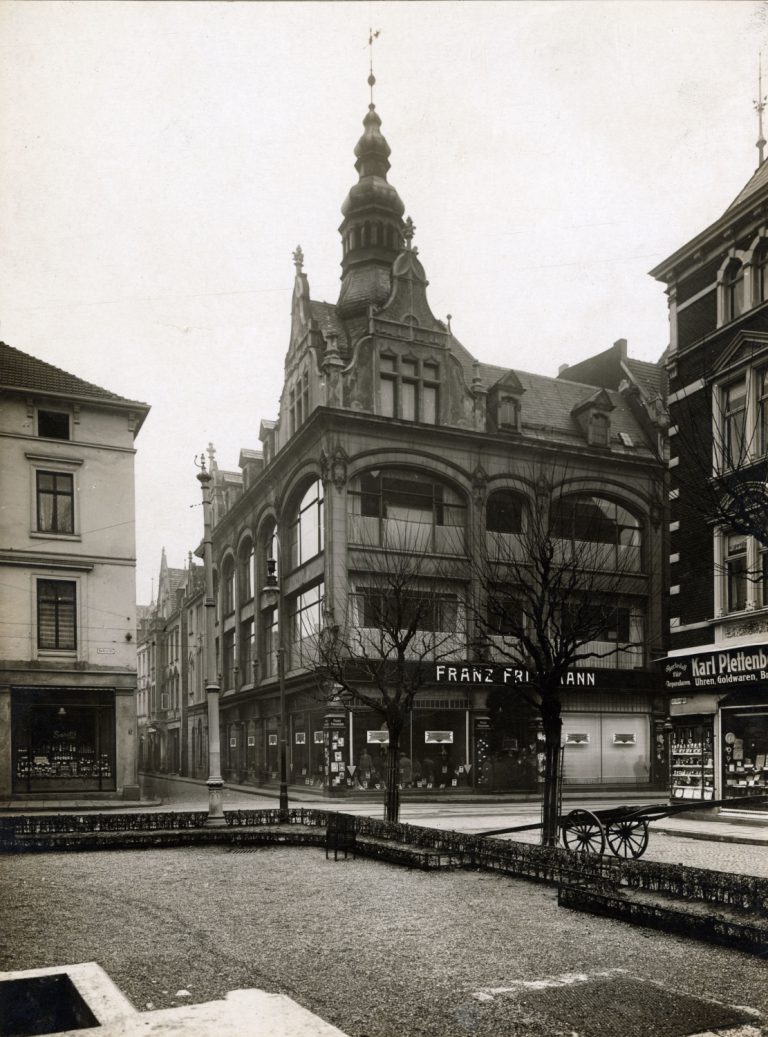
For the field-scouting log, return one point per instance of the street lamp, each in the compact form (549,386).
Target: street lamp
(274,587)
(215,782)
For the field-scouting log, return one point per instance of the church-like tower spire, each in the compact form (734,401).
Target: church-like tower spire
(372,230)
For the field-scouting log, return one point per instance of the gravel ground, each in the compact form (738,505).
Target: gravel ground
(378,950)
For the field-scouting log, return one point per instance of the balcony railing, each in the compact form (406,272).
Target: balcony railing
(405,535)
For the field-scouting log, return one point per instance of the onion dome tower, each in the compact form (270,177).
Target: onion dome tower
(372,231)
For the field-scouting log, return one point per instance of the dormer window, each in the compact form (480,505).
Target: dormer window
(598,429)
(508,413)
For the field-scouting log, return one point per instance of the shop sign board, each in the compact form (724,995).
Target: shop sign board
(438,737)
(717,670)
(467,674)
(378,737)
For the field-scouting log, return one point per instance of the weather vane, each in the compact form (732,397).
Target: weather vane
(760,108)
(372,35)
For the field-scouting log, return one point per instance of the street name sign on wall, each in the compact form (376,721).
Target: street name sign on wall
(717,670)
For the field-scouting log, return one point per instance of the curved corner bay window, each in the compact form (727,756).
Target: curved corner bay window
(603,532)
(55,495)
(406,510)
(307,530)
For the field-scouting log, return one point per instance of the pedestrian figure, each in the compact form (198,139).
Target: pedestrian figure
(365,766)
(404,769)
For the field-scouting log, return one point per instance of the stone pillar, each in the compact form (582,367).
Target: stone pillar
(126,745)
(6,760)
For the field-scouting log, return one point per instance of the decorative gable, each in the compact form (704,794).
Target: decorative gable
(744,349)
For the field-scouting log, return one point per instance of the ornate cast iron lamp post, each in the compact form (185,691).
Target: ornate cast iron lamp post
(273,586)
(215,782)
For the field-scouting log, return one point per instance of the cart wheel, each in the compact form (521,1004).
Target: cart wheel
(628,838)
(583,832)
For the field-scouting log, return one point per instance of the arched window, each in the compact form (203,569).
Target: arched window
(407,510)
(307,529)
(228,586)
(734,290)
(587,519)
(760,263)
(504,513)
(245,563)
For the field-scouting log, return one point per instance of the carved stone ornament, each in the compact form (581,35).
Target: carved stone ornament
(479,484)
(746,627)
(334,468)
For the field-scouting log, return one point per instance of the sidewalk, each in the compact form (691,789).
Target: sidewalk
(716,829)
(429,804)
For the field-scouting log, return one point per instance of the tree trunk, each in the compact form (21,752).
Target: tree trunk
(392,791)
(550,808)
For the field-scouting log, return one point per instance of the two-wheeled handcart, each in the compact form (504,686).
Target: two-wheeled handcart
(623,829)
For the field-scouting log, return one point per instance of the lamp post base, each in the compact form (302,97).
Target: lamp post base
(215,817)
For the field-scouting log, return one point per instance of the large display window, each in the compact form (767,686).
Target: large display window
(691,758)
(63,740)
(745,752)
(606,748)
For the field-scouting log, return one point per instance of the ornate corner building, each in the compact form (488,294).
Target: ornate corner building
(717,669)
(391,435)
(68,560)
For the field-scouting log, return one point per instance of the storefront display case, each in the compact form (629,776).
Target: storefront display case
(745,752)
(63,740)
(692,765)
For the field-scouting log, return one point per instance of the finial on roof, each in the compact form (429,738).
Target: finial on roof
(211,456)
(371,77)
(448,320)
(298,259)
(760,108)
(410,227)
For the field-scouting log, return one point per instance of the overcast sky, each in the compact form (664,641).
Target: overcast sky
(159,162)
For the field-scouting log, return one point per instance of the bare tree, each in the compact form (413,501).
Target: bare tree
(401,617)
(552,585)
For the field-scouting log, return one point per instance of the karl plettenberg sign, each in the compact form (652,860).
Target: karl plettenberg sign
(718,669)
